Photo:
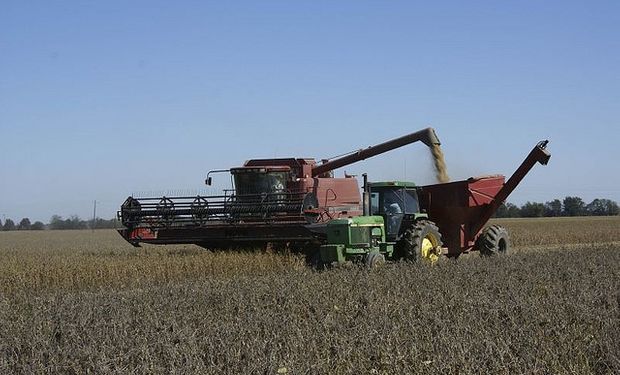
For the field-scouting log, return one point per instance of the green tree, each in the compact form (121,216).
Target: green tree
(9,225)
(533,209)
(104,224)
(74,222)
(573,206)
(56,222)
(24,224)
(602,207)
(508,210)
(553,208)
(37,226)
(612,208)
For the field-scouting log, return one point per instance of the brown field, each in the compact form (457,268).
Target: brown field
(80,302)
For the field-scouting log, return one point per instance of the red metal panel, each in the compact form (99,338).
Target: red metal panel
(457,207)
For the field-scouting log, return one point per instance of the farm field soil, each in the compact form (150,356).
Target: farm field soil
(77,302)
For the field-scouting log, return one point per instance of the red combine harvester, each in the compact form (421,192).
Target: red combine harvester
(295,201)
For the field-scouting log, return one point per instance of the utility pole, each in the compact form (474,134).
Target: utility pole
(94,215)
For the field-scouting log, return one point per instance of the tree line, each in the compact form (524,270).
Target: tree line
(569,206)
(57,222)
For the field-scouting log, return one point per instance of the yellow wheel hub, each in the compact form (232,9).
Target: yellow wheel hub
(430,250)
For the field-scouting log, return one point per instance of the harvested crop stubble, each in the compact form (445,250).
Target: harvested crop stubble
(77,260)
(543,312)
(527,232)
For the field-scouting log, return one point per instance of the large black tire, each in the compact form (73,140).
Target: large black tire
(414,245)
(493,240)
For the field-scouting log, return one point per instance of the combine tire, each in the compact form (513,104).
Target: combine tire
(493,240)
(422,242)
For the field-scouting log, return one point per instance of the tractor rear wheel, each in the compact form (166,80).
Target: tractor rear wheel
(493,240)
(422,242)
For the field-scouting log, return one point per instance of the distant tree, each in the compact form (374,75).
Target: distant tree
(37,226)
(553,208)
(573,206)
(9,225)
(596,208)
(74,222)
(508,210)
(0,224)
(533,209)
(613,209)
(24,224)
(56,222)
(103,223)
(602,207)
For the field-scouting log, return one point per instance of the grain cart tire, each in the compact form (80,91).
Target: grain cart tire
(493,240)
(422,242)
(375,259)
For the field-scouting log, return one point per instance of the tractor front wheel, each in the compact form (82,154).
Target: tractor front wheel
(493,240)
(374,259)
(422,242)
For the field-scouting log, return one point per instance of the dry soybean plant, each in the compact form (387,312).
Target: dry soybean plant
(77,302)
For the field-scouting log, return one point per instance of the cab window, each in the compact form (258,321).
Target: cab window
(374,203)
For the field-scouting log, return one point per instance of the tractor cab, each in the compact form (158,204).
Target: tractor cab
(397,202)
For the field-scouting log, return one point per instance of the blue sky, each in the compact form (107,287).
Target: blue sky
(102,99)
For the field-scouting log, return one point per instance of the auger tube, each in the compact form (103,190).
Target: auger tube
(426,136)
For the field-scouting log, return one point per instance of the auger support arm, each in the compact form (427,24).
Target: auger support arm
(539,154)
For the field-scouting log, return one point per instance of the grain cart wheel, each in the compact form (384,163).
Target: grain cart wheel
(375,259)
(493,240)
(422,242)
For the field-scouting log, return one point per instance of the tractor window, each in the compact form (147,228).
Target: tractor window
(400,201)
(411,202)
(374,203)
(393,202)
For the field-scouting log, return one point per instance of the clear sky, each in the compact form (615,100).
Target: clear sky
(99,99)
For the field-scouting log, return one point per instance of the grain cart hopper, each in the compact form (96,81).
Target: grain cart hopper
(419,222)
(273,201)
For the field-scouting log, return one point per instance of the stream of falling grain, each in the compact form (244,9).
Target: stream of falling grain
(441,170)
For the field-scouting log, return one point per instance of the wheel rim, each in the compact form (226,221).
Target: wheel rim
(429,251)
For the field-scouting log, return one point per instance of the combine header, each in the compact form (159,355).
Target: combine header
(298,202)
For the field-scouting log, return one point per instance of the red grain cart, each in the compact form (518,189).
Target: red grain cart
(462,208)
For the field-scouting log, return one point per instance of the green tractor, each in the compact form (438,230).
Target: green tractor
(392,228)
(357,239)
(414,236)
